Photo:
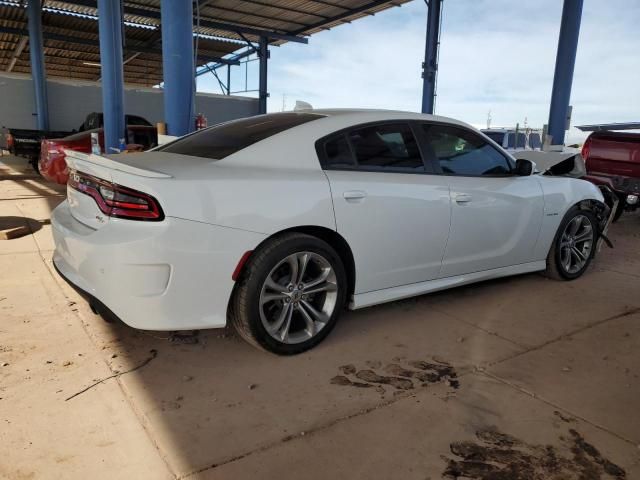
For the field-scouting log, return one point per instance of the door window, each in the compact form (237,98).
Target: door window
(386,147)
(461,152)
(337,153)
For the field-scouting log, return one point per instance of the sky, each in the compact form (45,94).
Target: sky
(496,56)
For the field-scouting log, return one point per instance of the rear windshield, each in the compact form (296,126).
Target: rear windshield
(222,140)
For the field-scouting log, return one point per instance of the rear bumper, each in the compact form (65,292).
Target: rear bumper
(627,188)
(96,304)
(170,275)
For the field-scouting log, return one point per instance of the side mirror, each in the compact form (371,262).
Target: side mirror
(524,168)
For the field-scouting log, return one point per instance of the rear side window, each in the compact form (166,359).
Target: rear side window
(222,140)
(461,152)
(386,147)
(338,153)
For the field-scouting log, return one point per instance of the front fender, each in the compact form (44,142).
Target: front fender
(560,195)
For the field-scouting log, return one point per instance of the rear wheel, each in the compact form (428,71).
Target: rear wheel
(290,294)
(574,245)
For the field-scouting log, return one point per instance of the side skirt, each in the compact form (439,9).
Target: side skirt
(368,299)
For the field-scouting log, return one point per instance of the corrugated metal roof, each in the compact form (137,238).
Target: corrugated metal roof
(71,31)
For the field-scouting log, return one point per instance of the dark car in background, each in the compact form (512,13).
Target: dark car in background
(27,143)
(139,135)
(527,139)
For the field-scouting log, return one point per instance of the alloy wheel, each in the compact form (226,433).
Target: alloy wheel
(576,244)
(298,297)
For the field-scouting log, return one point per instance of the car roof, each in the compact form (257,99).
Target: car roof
(376,112)
(295,147)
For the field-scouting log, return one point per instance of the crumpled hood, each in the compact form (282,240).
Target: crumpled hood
(567,163)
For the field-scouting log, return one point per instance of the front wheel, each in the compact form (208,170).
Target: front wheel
(290,294)
(574,245)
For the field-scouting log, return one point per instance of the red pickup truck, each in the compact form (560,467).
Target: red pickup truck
(612,158)
(52,164)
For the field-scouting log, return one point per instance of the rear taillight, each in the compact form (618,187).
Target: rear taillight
(585,149)
(115,200)
(9,138)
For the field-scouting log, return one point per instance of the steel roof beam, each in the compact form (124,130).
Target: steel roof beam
(342,16)
(250,14)
(94,43)
(284,9)
(228,27)
(17,52)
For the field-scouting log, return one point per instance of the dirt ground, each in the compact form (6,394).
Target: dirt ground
(520,378)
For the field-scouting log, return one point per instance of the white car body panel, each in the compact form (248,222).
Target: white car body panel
(170,275)
(408,233)
(413,241)
(560,194)
(495,223)
(406,291)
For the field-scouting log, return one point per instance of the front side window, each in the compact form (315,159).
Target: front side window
(386,147)
(461,152)
(222,140)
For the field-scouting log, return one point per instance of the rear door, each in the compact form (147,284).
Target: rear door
(495,215)
(391,211)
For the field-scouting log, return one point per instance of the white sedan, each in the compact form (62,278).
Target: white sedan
(277,222)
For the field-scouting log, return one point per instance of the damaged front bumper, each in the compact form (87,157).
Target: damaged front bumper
(605,213)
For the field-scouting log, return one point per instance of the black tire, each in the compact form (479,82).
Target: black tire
(555,267)
(246,307)
(36,166)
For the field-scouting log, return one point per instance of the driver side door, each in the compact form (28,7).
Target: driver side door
(495,215)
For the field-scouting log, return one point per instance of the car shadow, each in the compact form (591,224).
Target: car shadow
(211,397)
(11,222)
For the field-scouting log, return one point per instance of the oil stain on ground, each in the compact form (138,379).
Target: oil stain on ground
(498,456)
(396,376)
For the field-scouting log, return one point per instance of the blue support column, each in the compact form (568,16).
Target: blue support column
(430,65)
(177,64)
(110,24)
(263,55)
(563,76)
(38,72)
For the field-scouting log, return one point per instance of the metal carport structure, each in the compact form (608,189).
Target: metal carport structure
(149,41)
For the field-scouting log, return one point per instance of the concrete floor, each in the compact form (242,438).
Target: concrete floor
(521,378)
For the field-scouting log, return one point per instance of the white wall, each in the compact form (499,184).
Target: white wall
(70,101)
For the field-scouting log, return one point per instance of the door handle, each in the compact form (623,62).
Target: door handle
(463,198)
(354,195)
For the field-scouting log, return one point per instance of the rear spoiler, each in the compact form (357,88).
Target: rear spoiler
(72,157)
